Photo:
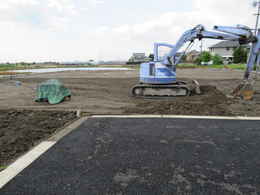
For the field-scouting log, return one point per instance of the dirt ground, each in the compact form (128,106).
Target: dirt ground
(102,92)
(21,130)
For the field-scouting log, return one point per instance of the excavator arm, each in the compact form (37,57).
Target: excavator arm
(254,57)
(242,34)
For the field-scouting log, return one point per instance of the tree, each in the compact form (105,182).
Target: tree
(151,56)
(217,60)
(198,60)
(183,58)
(205,56)
(240,55)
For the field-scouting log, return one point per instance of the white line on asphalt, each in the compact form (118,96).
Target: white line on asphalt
(177,117)
(23,162)
(127,116)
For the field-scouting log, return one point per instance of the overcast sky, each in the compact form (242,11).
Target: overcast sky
(67,30)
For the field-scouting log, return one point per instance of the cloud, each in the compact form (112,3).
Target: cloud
(208,13)
(96,2)
(7,4)
(45,29)
(168,27)
(44,13)
(63,6)
(39,30)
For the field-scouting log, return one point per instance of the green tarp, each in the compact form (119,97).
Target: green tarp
(52,91)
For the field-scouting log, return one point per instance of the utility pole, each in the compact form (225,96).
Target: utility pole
(257,4)
(201,46)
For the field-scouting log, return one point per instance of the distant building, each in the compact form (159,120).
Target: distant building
(192,56)
(225,49)
(92,62)
(138,58)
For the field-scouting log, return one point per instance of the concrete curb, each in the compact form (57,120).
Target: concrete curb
(23,162)
(67,130)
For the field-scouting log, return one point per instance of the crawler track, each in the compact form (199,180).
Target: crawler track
(178,89)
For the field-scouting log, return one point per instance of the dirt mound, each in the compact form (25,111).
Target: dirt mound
(210,102)
(21,130)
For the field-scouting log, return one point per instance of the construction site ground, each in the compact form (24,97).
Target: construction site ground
(108,92)
(25,123)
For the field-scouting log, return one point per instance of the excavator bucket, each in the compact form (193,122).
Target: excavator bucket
(244,90)
(196,87)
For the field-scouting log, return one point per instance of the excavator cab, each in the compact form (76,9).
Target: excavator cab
(155,73)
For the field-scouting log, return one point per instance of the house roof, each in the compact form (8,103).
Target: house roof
(226,44)
(193,52)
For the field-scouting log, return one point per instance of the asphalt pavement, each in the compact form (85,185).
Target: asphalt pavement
(148,156)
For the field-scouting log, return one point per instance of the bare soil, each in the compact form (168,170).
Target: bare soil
(24,123)
(104,93)
(108,92)
(21,130)
(210,102)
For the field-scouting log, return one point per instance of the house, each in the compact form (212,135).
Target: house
(225,49)
(138,58)
(192,56)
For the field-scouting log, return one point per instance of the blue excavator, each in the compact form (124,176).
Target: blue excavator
(158,77)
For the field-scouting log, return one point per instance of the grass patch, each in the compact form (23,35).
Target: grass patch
(10,67)
(188,66)
(229,66)
(2,167)
(7,67)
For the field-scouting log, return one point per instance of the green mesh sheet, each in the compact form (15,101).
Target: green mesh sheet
(52,91)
